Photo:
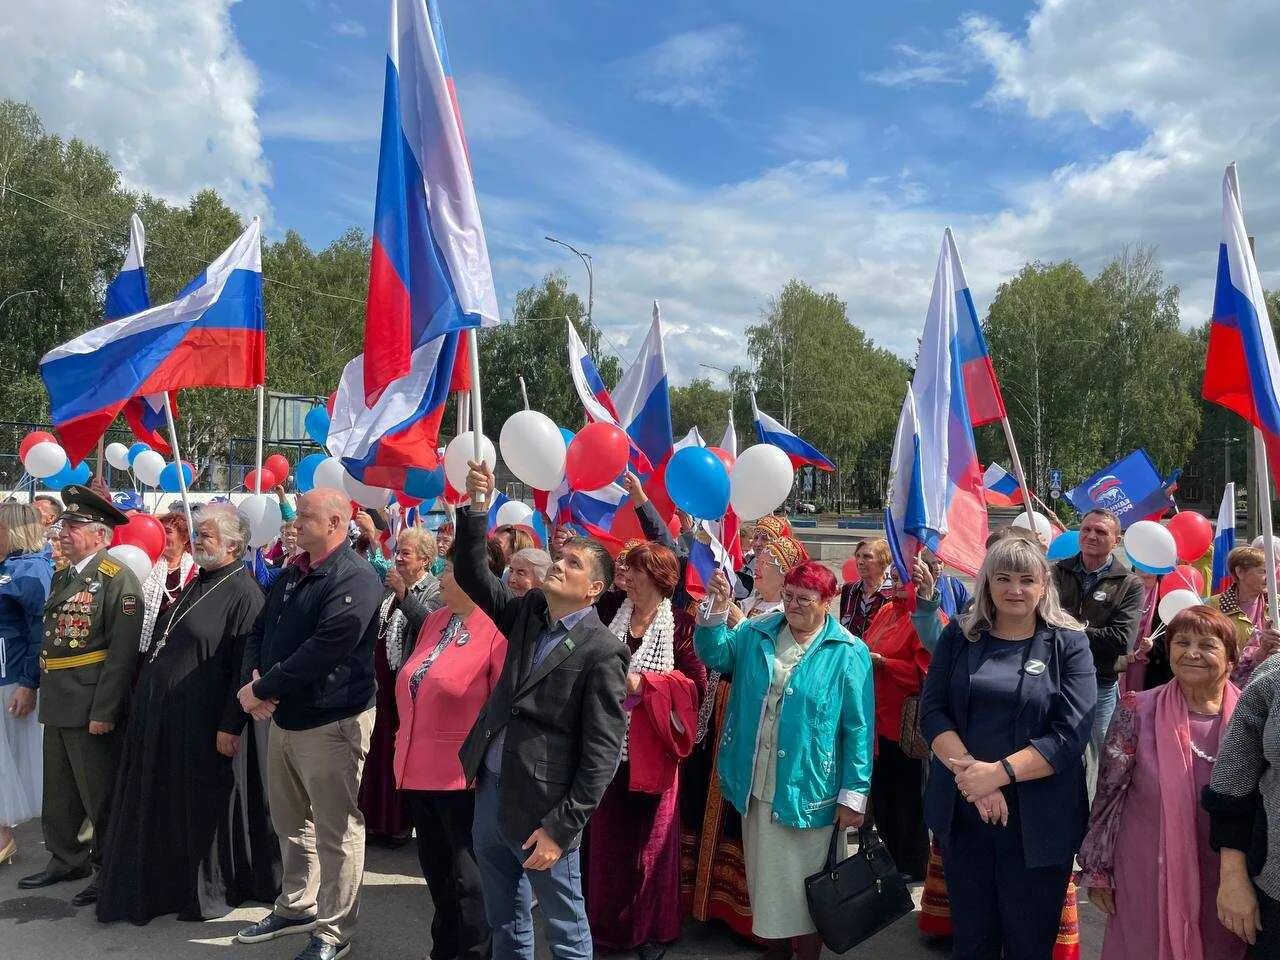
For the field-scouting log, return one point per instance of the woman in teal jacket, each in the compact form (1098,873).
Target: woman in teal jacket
(796,748)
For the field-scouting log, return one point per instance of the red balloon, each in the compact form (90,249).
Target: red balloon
(31,439)
(407,501)
(269,480)
(849,572)
(597,456)
(142,531)
(279,466)
(1185,577)
(1192,533)
(330,401)
(727,458)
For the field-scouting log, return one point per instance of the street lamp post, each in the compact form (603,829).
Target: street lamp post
(586,262)
(20,293)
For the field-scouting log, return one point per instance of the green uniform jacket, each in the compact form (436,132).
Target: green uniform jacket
(91,612)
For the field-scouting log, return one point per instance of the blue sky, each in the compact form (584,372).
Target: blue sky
(706,153)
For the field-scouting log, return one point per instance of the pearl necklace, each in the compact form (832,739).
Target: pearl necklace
(1200,753)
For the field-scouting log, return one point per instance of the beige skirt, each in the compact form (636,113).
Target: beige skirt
(778,859)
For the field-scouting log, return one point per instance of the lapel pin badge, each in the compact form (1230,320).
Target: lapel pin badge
(1035,667)
(1100,595)
(568,643)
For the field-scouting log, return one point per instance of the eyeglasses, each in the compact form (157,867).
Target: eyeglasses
(795,600)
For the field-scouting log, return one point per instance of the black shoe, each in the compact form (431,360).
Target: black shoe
(317,949)
(273,925)
(86,896)
(47,878)
(653,951)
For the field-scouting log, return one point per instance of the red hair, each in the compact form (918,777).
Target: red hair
(657,563)
(176,522)
(812,575)
(1209,621)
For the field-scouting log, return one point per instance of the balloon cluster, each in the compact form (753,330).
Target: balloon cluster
(139,543)
(149,466)
(43,458)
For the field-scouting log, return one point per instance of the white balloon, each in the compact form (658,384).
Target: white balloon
(533,448)
(761,480)
(364,494)
(262,512)
(1042,525)
(44,459)
(331,474)
(1175,601)
(117,455)
(147,466)
(514,513)
(460,451)
(1260,543)
(1151,546)
(135,558)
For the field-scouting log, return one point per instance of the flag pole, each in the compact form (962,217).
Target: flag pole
(1028,500)
(257,475)
(524,392)
(1264,518)
(182,478)
(102,444)
(473,362)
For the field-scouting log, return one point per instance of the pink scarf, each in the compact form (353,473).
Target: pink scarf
(1180,905)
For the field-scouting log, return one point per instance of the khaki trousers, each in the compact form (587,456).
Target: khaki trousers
(313,780)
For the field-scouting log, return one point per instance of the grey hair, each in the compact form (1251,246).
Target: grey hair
(420,538)
(540,560)
(103,531)
(1018,556)
(231,526)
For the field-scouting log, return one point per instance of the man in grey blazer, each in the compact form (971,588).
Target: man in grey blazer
(547,743)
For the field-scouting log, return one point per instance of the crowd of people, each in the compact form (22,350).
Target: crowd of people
(562,725)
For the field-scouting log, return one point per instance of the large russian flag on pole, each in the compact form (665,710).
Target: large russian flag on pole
(982,390)
(1224,540)
(642,399)
(952,489)
(429,270)
(801,452)
(1241,369)
(213,335)
(588,383)
(908,525)
(429,273)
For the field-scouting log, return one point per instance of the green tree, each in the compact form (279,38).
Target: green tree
(703,405)
(534,346)
(822,377)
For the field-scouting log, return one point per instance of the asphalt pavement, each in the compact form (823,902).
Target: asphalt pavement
(395,923)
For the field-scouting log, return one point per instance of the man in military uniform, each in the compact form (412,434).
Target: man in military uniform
(92,622)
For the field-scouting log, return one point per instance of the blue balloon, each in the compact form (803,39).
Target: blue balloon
(426,485)
(317,425)
(304,474)
(169,477)
(81,473)
(568,435)
(698,483)
(68,474)
(540,528)
(1065,544)
(136,449)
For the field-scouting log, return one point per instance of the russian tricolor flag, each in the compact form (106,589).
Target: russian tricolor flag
(1224,540)
(597,507)
(802,453)
(642,399)
(1001,487)
(706,555)
(981,389)
(937,495)
(595,398)
(213,335)
(429,273)
(729,442)
(1241,369)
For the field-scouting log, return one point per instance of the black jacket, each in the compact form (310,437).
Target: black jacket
(1111,614)
(315,649)
(564,721)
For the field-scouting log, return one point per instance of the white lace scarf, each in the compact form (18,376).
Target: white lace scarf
(656,653)
(394,624)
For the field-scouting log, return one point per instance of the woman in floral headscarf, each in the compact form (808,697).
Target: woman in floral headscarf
(713,875)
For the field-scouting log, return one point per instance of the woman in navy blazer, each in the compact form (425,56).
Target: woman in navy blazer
(1007,708)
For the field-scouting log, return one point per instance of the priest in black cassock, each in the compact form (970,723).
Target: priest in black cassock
(189,831)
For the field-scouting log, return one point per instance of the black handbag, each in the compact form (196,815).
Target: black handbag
(858,897)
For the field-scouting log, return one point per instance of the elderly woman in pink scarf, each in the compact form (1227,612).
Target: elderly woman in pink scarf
(1147,860)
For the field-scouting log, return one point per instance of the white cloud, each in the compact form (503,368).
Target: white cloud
(164,88)
(692,69)
(916,67)
(349,28)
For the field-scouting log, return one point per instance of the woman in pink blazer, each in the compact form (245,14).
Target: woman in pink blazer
(446,678)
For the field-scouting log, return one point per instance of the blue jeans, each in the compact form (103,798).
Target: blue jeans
(506,888)
(1108,696)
